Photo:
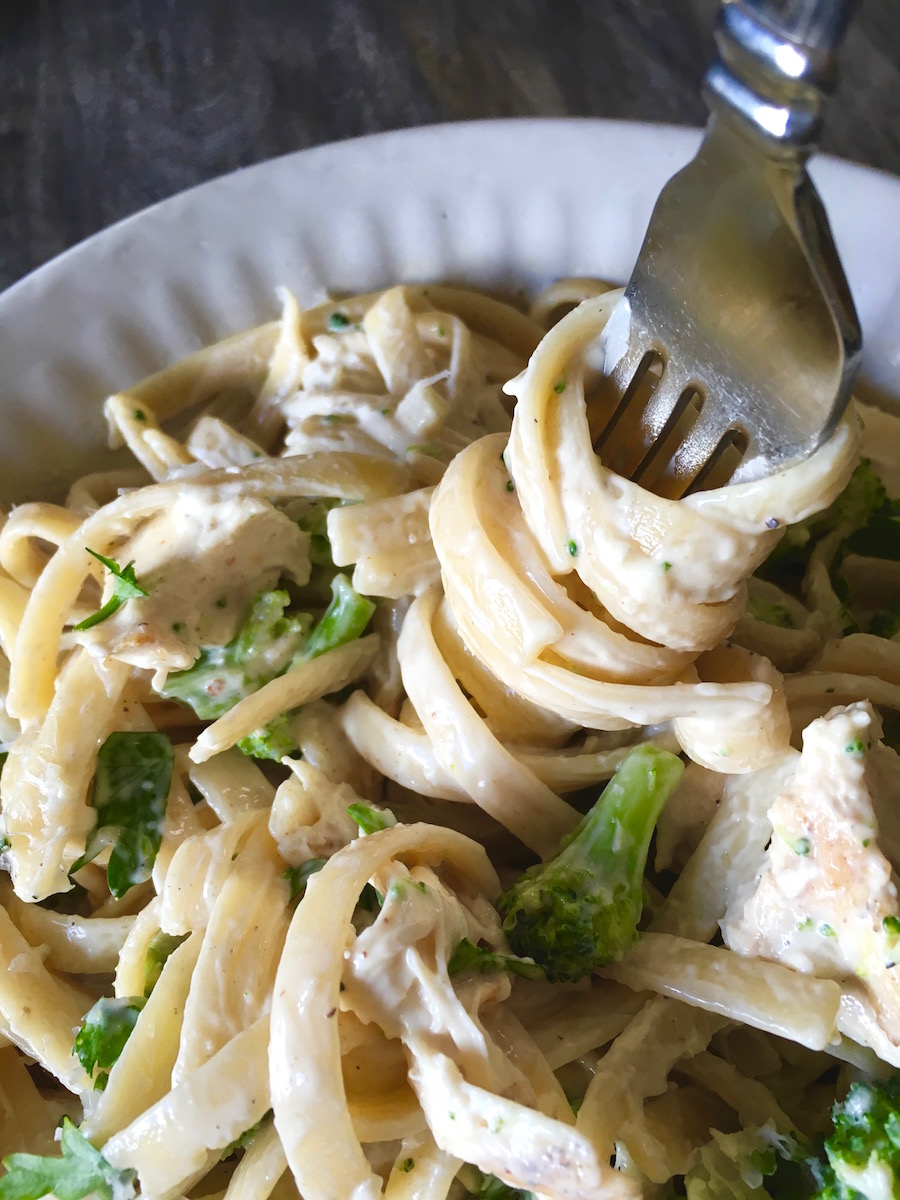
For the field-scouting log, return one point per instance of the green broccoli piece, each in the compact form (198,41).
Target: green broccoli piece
(886,623)
(854,508)
(862,1156)
(771,614)
(344,620)
(752,1164)
(371,819)
(245,1140)
(312,516)
(269,643)
(480,960)
(863,496)
(580,909)
(274,741)
(489,1187)
(263,648)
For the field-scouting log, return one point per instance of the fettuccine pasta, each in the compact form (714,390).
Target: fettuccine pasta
(287,707)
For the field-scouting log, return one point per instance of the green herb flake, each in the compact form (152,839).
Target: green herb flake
(510,486)
(158,952)
(245,1139)
(371,820)
(139,415)
(667,566)
(299,877)
(560,386)
(441,331)
(338,321)
(891,926)
(406,1166)
(79,1171)
(572,547)
(125,587)
(855,748)
(104,1031)
(131,785)
(769,614)
(826,930)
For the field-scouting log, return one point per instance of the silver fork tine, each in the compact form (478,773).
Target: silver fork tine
(738,285)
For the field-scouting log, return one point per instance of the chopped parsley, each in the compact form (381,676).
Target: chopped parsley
(79,1171)
(770,614)
(245,1139)
(104,1031)
(371,820)
(125,587)
(298,877)
(163,945)
(131,786)
(338,321)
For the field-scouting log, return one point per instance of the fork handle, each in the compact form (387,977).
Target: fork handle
(775,68)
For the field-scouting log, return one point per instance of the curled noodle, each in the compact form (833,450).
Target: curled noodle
(597,599)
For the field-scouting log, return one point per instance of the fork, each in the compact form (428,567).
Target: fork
(734,349)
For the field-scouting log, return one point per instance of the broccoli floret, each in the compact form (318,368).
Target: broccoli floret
(860,499)
(886,623)
(580,909)
(344,620)
(263,648)
(854,508)
(267,645)
(489,1187)
(771,614)
(274,741)
(863,1153)
(479,960)
(752,1163)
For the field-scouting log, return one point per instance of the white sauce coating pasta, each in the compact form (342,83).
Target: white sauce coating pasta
(533,617)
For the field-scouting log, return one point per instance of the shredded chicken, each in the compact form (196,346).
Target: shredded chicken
(826,901)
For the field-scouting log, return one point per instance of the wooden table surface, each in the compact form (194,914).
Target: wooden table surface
(109,105)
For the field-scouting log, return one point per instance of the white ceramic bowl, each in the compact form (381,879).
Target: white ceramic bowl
(498,204)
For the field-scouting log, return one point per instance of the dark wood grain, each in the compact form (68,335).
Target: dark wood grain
(109,105)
